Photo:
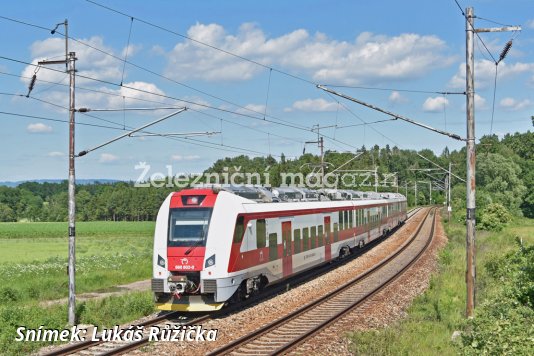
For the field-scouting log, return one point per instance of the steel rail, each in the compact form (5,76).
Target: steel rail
(274,290)
(236,344)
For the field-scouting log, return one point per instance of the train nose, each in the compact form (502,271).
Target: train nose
(179,261)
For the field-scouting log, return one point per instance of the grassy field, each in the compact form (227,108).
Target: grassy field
(33,265)
(33,257)
(30,242)
(436,314)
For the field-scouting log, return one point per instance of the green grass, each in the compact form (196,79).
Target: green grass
(83,228)
(33,266)
(30,242)
(103,313)
(437,313)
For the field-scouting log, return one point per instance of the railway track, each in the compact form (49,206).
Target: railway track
(286,333)
(174,319)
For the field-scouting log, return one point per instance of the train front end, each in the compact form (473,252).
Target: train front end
(180,238)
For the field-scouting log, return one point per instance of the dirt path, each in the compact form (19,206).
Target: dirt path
(113,291)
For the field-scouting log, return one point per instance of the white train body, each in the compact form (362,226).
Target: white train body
(211,245)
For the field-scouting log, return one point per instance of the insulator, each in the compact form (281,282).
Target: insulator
(505,50)
(32,84)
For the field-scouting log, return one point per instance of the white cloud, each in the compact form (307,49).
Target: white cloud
(485,73)
(55,154)
(435,104)
(108,158)
(184,158)
(480,102)
(530,24)
(319,104)
(396,98)
(252,109)
(404,56)
(514,105)
(39,128)
(90,63)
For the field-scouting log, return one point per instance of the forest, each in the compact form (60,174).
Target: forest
(504,174)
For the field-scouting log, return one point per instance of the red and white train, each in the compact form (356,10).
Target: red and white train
(216,244)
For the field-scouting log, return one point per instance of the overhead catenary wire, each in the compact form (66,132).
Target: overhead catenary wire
(145,69)
(138,99)
(126,50)
(201,42)
(279,122)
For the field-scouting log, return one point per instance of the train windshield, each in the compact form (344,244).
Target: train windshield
(189,226)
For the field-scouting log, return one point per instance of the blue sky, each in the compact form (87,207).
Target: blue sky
(411,45)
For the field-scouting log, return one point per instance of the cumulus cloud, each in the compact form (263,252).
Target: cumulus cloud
(319,104)
(514,104)
(90,63)
(184,158)
(324,59)
(252,109)
(55,154)
(485,73)
(396,98)
(480,102)
(39,128)
(108,158)
(435,104)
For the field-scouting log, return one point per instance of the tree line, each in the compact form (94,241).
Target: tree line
(504,174)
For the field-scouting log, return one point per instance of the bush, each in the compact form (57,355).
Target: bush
(504,324)
(494,217)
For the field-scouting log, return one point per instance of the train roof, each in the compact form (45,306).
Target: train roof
(261,194)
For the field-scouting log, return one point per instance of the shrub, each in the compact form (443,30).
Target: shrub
(504,324)
(494,217)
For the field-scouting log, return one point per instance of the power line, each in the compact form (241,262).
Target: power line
(202,43)
(474,31)
(146,69)
(394,89)
(279,122)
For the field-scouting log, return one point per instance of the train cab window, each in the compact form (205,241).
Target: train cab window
(346,220)
(261,233)
(313,237)
(239,229)
(336,233)
(305,239)
(320,236)
(297,241)
(189,226)
(273,246)
(341,220)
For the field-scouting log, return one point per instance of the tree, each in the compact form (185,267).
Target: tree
(499,176)
(6,213)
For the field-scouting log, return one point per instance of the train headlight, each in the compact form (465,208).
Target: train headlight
(161,261)
(210,261)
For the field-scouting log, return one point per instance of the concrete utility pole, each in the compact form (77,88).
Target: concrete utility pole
(415,191)
(449,194)
(72,193)
(320,143)
(69,61)
(471,155)
(430,194)
(471,159)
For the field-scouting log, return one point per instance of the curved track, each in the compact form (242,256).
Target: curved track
(173,319)
(288,332)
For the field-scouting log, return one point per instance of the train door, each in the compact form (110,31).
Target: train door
(328,239)
(368,225)
(287,263)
